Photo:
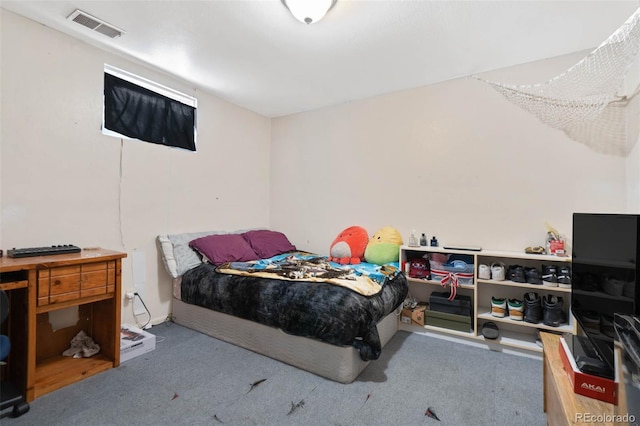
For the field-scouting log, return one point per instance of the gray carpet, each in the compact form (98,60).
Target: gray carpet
(193,379)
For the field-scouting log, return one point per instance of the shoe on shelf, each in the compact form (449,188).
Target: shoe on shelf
(535,250)
(532,276)
(490,330)
(564,277)
(516,274)
(552,314)
(532,308)
(497,271)
(498,307)
(516,309)
(550,275)
(484,272)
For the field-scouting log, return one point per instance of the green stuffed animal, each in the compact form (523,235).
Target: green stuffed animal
(384,246)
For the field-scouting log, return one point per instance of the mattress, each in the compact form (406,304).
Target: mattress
(338,363)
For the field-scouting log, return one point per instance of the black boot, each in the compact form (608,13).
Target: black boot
(564,277)
(550,275)
(532,308)
(553,315)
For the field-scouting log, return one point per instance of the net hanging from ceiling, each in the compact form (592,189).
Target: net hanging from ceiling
(585,100)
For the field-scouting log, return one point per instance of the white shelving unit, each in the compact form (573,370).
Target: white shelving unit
(518,335)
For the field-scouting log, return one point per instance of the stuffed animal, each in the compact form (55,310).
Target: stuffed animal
(384,246)
(349,246)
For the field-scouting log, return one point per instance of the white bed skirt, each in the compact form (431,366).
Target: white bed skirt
(338,363)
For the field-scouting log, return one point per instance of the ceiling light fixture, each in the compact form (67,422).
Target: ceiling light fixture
(309,11)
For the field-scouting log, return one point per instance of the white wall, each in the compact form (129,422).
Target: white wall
(453,159)
(633,178)
(60,177)
(632,88)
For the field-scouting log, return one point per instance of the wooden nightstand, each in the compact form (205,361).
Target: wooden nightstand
(89,281)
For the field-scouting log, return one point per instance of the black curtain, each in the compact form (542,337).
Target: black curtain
(143,114)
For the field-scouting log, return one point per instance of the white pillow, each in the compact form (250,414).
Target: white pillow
(177,256)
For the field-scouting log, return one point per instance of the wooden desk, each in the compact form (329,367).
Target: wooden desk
(562,405)
(89,280)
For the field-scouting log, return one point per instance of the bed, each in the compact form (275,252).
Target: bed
(309,316)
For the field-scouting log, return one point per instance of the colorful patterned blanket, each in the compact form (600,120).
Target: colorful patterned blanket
(365,278)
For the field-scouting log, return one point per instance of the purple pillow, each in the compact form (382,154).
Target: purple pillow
(267,243)
(222,248)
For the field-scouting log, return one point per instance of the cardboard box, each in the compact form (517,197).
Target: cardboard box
(413,316)
(450,321)
(135,342)
(587,384)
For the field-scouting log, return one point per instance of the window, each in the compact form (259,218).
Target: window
(138,108)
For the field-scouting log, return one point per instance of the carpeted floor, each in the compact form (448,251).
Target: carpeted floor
(193,379)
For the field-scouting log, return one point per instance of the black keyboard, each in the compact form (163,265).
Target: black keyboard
(43,251)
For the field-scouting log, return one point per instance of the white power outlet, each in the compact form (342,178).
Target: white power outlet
(130,295)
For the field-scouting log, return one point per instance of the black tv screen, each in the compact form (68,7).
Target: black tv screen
(610,238)
(605,258)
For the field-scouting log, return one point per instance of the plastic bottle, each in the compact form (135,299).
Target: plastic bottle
(413,239)
(423,240)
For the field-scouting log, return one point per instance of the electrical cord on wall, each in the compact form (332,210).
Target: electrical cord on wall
(135,316)
(120,172)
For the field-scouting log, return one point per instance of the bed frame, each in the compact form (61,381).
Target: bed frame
(338,363)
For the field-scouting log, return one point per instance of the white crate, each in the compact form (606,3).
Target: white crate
(135,342)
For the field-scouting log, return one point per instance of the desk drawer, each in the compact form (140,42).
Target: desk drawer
(74,282)
(98,278)
(58,284)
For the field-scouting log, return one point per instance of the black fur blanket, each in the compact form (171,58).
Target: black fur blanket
(319,310)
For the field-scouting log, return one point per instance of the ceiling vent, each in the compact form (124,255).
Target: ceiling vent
(95,24)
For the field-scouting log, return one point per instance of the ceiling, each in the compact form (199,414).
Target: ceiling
(256,55)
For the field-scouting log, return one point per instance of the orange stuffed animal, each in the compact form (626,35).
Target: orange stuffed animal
(349,246)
